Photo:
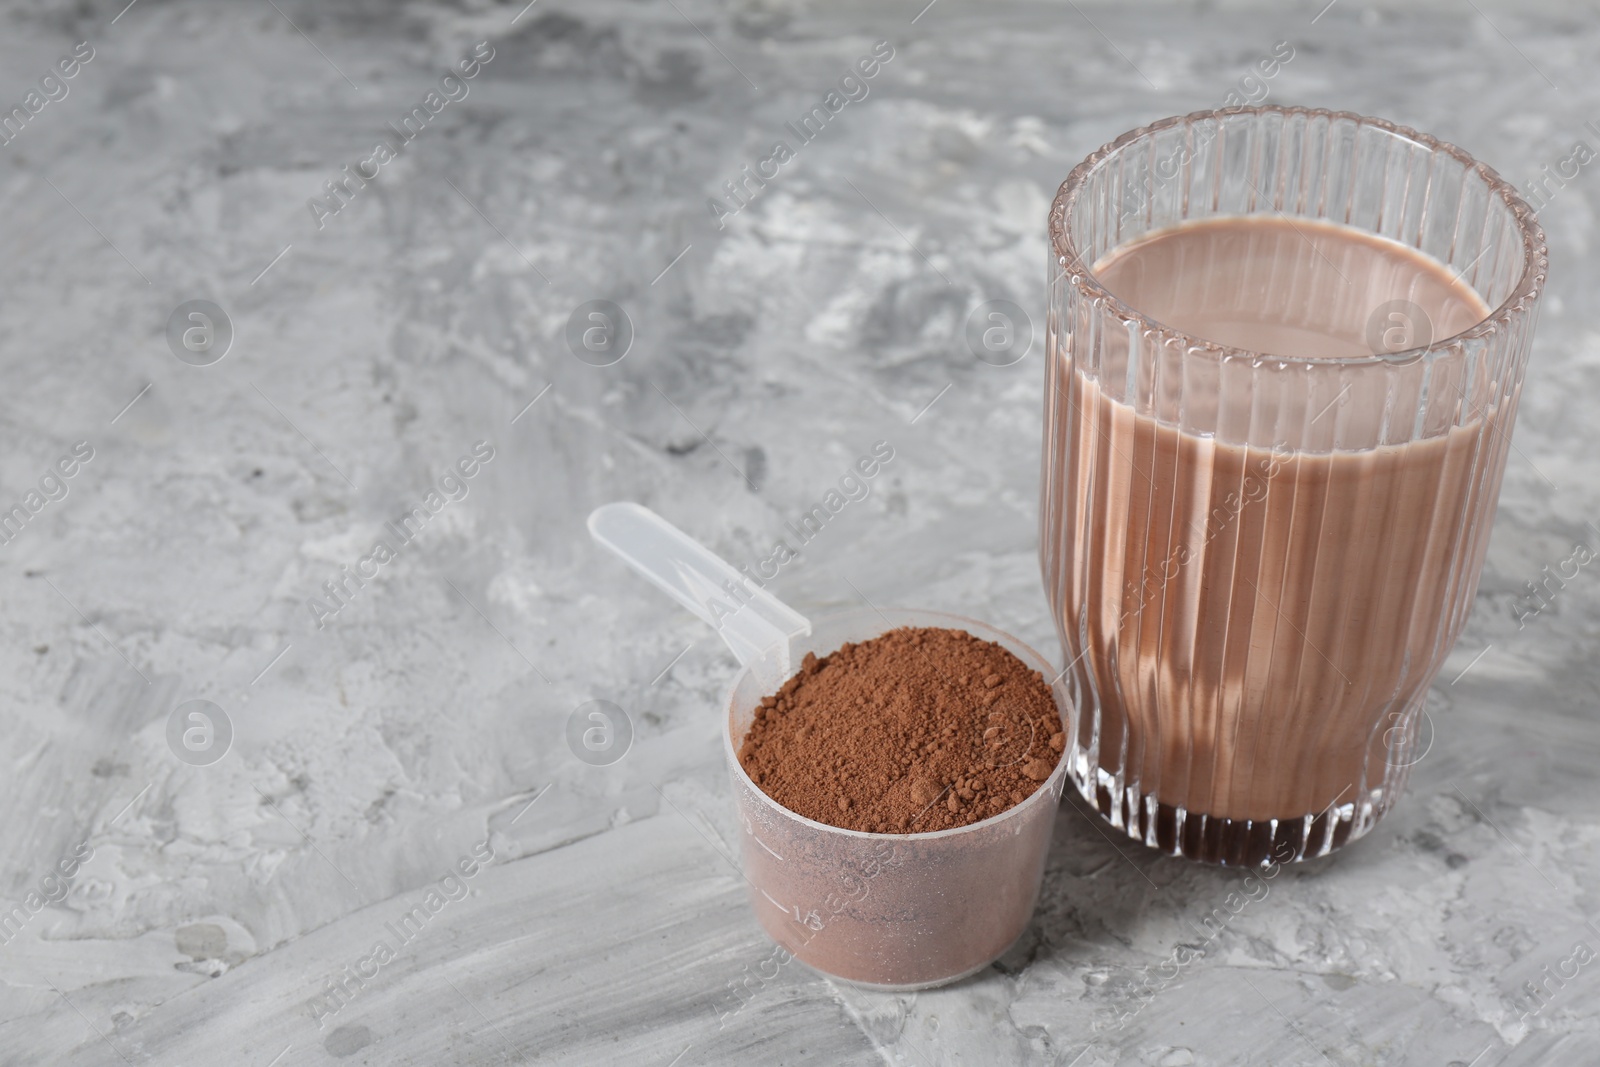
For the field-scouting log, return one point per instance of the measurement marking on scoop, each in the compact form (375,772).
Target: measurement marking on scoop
(764,845)
(775,904)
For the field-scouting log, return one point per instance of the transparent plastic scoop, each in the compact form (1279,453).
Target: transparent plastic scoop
(893,911)
(754,624)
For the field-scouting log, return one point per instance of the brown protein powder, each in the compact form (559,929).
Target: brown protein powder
(918,729)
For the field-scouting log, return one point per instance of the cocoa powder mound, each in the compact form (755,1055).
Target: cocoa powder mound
(918,729)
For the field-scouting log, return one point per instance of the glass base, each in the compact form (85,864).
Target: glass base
(1227,842)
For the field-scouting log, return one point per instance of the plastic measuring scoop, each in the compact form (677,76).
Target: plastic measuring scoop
(754,624)
(885,910)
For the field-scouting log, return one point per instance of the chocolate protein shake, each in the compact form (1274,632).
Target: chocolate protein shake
(1254,625)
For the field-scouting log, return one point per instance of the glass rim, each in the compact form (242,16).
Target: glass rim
(1054,785)
(1518,302)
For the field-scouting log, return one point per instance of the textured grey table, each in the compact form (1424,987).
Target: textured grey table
(421,726)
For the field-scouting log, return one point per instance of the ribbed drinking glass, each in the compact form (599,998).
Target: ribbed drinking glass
(1257,562)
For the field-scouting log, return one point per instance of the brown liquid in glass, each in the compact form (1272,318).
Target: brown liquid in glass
(1249,620)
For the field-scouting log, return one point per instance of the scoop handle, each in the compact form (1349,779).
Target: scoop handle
(755,624)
